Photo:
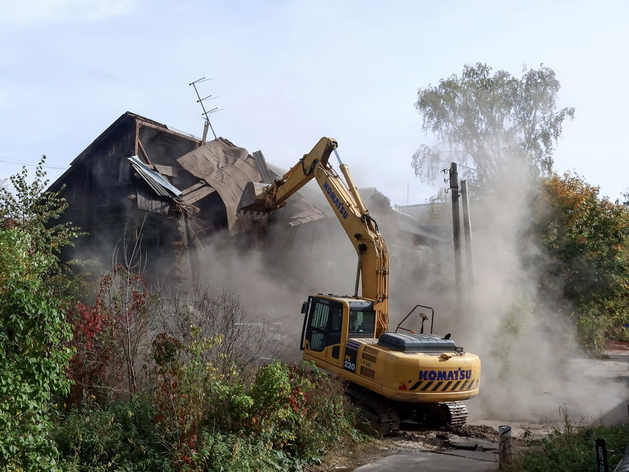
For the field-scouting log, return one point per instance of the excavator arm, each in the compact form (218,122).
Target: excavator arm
(349,208)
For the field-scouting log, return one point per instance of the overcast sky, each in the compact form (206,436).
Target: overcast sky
(289,72)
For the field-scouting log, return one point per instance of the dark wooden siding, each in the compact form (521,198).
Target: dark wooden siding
(101,191)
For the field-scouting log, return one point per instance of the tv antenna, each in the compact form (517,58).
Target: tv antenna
(206,113)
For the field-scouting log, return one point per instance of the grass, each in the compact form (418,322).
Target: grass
(570,448)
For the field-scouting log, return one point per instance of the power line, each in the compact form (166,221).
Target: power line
(13,161)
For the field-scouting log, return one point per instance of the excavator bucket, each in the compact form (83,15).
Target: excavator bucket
(253,198)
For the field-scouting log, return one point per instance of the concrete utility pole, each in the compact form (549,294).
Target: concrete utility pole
(467,229)
(456,226)
(469,254)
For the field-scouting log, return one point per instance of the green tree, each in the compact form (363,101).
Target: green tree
(585,260)
(33,328)
(34,211)
(499,125)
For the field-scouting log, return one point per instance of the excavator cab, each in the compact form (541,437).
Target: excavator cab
(329,321)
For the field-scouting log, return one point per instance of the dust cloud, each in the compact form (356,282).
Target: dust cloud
(274,276)
(530,367)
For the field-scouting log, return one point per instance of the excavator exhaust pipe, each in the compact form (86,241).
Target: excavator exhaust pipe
(254,198)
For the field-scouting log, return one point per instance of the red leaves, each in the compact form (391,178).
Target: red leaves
(101,360)
(297,400)
(89,324)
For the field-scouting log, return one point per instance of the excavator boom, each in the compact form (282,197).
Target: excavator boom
(349,208)
(263,198)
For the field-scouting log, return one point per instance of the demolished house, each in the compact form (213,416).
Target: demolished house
(143,191)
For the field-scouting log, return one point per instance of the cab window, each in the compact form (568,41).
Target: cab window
(319,326)
(362,323)
(324,325)
(336,323)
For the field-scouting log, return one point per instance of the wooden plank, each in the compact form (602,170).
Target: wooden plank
(170,171)
(144,153)
(196,192)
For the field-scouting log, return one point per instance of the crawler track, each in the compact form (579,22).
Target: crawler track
(385,415)
(381,415)
(457,412)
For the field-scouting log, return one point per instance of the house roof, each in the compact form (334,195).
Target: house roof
(111,129)
(224,167)
(125,116)
(428,213)
(372,198)
(434,218)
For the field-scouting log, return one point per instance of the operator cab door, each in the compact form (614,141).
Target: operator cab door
(323,323)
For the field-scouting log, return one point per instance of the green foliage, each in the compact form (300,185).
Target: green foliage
(212,414)
(301,410)
(198,407)
(572,449)
(34,210)
(121,437)
(295,414)
(502,126)
(193,393)
(209,410)
(237,453)
(585,260)
(33,329)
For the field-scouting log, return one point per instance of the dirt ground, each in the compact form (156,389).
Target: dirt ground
(477,437)
(616,347)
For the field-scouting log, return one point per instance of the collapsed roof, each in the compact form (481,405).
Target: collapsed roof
(140,165)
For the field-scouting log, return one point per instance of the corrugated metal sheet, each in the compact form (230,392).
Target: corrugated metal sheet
(157,181)
(267,176)
(306,216)
(168,171)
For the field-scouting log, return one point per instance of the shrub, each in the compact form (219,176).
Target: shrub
(110,338)
(119,438)
(584,262)
(239,453)
(204,407)
(286,414)
(572,449)
(33,329)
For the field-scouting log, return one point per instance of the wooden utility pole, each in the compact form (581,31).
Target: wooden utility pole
(456,226)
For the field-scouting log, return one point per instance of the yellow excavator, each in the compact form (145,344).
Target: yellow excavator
(393,376)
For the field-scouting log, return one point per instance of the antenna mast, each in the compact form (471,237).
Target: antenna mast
(206,113)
